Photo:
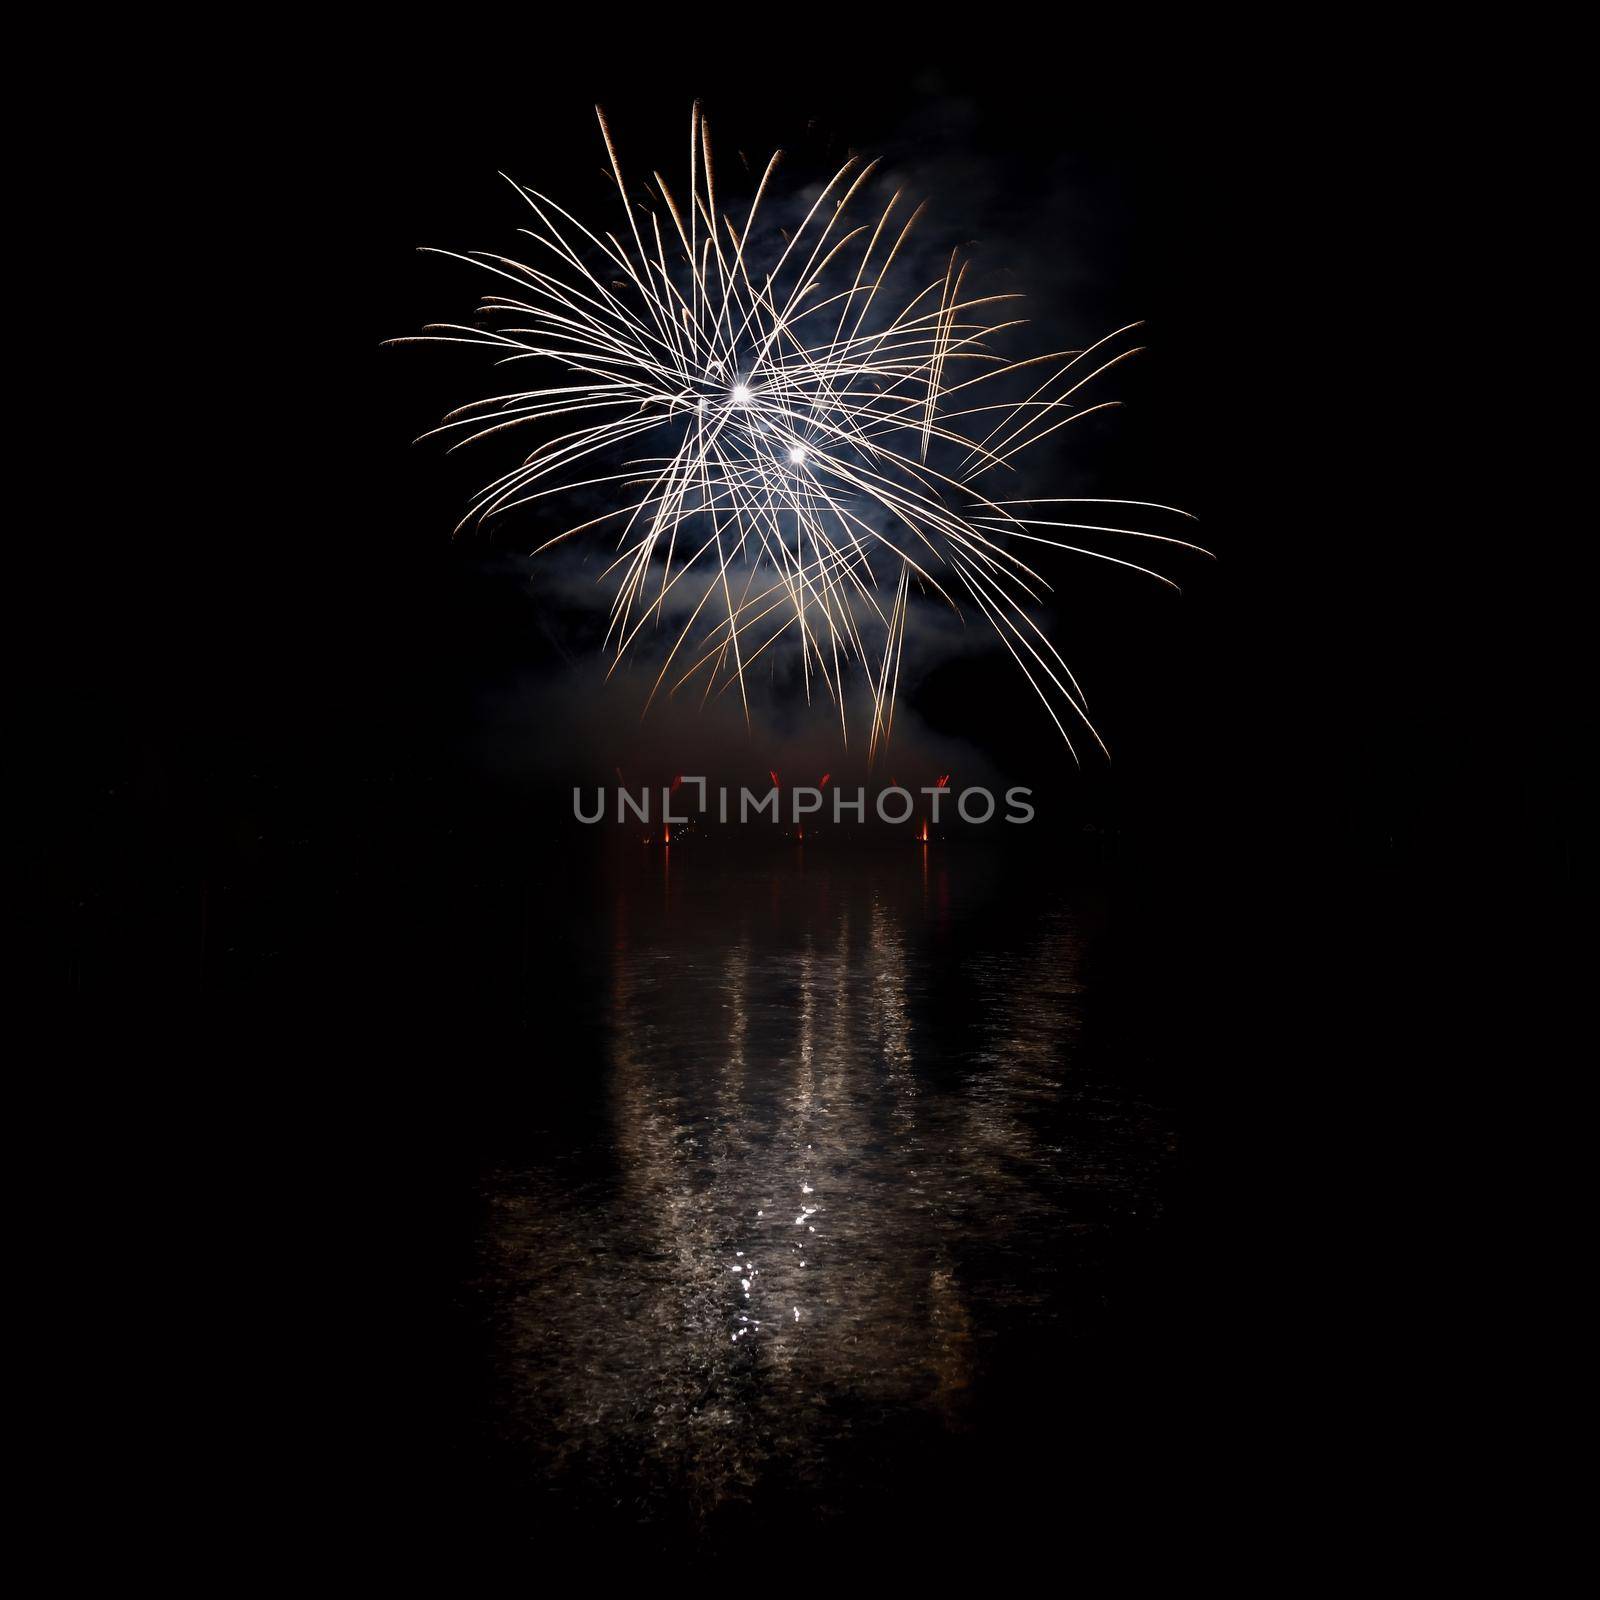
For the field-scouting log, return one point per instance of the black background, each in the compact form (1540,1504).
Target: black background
(268,733)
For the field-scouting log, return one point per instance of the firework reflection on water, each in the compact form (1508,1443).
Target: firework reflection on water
(820,1204)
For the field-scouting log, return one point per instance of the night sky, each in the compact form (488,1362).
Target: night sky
(335,612)
(305,637)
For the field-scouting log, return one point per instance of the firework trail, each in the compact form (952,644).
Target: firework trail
(794,442)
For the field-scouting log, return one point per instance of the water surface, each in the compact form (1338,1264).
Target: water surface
(851,1205)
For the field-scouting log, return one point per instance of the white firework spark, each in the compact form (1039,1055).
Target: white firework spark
(793,444)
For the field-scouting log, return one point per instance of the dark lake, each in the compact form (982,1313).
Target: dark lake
(543,1191)
(807,1193)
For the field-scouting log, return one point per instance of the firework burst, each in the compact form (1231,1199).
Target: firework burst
(794,435)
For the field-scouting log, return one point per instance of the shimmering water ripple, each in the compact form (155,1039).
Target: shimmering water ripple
(847,1147)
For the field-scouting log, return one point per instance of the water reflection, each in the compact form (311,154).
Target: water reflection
(844,1151)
